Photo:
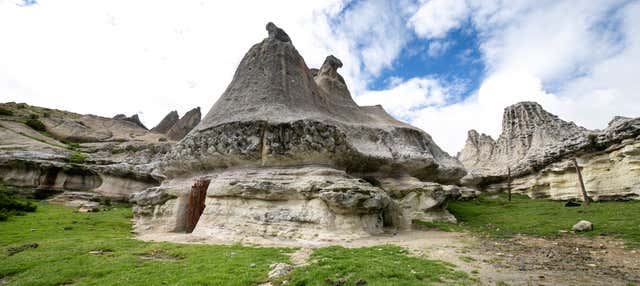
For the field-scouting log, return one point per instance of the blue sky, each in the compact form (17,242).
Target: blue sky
(446,66)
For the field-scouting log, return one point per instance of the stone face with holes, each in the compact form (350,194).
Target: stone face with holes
(289,154)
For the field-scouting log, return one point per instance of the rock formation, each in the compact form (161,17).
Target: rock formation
(87,153)
(537,147)
(285,153)
(166,123)
(185,124)
(133,119)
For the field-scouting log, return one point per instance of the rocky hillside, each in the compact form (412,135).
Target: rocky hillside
(53,150)
(537,147)
(286,152)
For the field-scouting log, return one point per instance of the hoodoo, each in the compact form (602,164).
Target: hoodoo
(286,152)
(538,149)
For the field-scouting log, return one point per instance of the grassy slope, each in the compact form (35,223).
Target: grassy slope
(386,265)
(498,217)
(62,257)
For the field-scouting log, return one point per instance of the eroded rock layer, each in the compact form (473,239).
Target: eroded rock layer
(55,151)
(288,153)
(538,148)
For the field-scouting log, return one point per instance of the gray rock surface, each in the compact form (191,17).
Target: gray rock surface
(133,119)
(287,152)
(181,128)
(531,138)
(538,148)
(274,112)
(583,225)
(79,153)
(166,123)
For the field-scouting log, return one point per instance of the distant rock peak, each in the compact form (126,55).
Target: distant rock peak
(277,33)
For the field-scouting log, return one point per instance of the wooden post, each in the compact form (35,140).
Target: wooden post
(509,182)
(585,197)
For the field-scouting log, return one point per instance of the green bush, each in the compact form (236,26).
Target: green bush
(36,124)
(77,157)
(11,205)
(5,111)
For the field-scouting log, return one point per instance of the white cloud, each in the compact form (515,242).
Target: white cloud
(437,48)
(531,47)
(108,57)
(435,18)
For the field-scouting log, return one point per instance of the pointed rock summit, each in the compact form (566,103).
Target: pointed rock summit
(275,112)
(183,126)
(133,119)
(531,138)
(286,152)
(167,122)
(540,150)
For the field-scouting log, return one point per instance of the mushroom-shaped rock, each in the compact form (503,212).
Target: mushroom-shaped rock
(285,152)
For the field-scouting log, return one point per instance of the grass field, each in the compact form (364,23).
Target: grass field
(498,217)
(64,239)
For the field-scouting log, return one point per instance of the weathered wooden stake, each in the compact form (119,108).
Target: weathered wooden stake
(195,205)
(584,191)
(509,182)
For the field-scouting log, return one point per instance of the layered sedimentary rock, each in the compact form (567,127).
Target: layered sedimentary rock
(286,152)
(166,123)
(183,126)
(108,157)
(537,148)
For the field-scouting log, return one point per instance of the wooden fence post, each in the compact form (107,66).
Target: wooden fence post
(585,197)
(509,182)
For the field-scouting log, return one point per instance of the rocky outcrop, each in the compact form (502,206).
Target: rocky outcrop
(133,119)
(107,157)
(185,124)
(537,148)
(166,123)
(286,152)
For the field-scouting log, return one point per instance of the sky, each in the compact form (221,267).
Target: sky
(445,66)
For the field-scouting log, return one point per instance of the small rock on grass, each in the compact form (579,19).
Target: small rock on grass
(582,225)
(279,270)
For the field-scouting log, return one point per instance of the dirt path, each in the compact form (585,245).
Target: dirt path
(522,260)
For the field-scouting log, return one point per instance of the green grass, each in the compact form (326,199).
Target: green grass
(78,157)
(62,255)
(11,205)
(64,239)
(380,265)
(35,124)
(497,217)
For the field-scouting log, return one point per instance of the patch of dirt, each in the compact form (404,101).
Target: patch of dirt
(301,256)
(159,255)
(522,260)
(576,259)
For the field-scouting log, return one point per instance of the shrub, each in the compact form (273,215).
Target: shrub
(11,205)
(77,157)
(36,124)
(5,111)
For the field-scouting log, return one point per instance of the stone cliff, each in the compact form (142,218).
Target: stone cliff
(537,148)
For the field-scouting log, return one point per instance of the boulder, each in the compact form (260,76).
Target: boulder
(582,225)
